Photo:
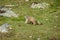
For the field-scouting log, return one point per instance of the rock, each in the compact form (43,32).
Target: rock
(55,26)
(39,5)
(30,36)
(56,16)
(8,13)
(4,28)
(46,19)
(26,0)
(38,38)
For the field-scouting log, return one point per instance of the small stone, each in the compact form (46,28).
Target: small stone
(46,19)
(30,36)
(56,16)
(26,0)
(10,27)
(38,38)
(55,26)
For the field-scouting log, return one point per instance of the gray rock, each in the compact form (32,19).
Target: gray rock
(8,13)
(4,28)
(40,5)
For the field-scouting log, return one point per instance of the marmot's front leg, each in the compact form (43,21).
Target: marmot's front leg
(26,21)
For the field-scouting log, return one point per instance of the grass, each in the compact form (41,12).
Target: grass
(22,31)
